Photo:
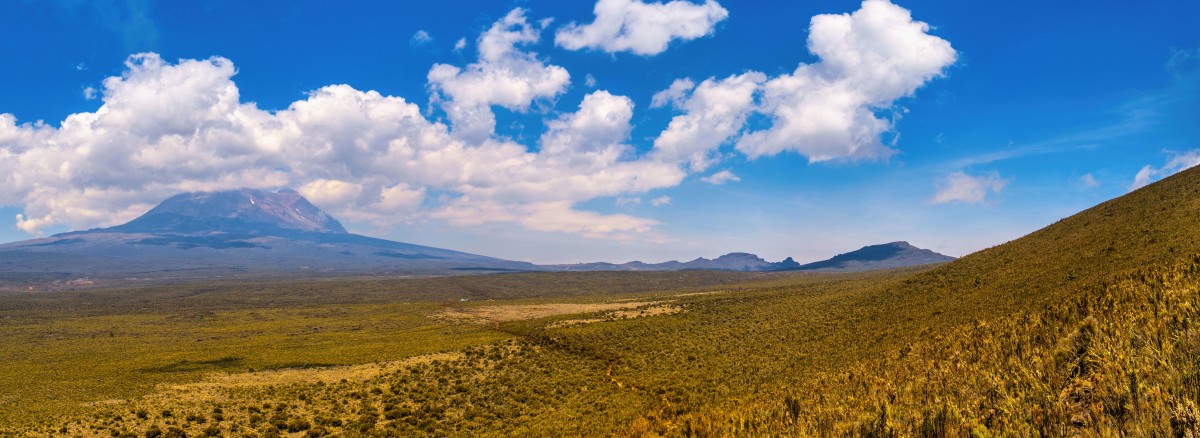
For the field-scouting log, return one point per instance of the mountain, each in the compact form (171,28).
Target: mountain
(231,233)
(235,211)
(885,256)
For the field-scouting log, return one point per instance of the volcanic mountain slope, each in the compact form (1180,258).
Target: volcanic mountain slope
(230,233)
(241,211)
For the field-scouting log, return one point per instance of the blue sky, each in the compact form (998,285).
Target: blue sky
(953,125)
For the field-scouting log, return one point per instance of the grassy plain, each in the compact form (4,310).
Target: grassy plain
(64,352)
(154,353)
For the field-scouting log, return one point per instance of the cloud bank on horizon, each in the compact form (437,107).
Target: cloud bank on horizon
(167,127)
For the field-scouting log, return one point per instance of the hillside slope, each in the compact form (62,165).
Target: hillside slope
(1156,224)
(1085,327)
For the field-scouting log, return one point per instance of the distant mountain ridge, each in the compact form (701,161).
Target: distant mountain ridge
(734,261)
(884,256)
(249,232)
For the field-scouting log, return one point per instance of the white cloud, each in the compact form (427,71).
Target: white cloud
(589,81)
(460,44)
(720,178)
(89,93)
(386,206)
(660,201)
(503,76)
(1143,178)
(420,38)
(547,217)
(1177,163)
(713,113)
(33,225)
(1089,181)
(642,28)
(868,60)
(166,128)
(331,193)
(599,126)
(824,111)
(964,188)
(675,95)
(400,197)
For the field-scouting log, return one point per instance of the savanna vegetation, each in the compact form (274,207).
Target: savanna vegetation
(61,350)
(1087,327)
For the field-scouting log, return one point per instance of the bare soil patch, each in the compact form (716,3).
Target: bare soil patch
(656,310)
(492,314)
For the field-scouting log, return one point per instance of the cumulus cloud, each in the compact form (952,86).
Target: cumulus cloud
(660,201)
(165,128)
(1177,163)
(504,76)
(964,188)
(460,44)
(674,95)
(33,225)
(714,112)
(868,60)
(331,193)
(642,28)
(833,109)
(720,178)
